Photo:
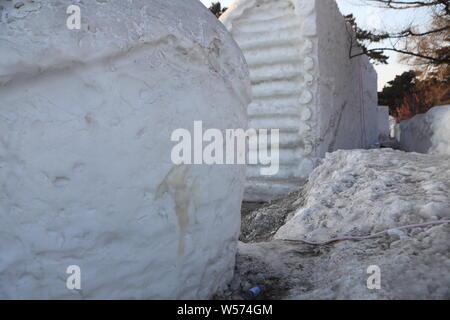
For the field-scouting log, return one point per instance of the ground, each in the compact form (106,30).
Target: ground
(260,221)
(353,193)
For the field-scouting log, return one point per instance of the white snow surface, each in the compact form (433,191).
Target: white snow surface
(362,192)
(357,193)
(86,176)
(383,122)
(427,133)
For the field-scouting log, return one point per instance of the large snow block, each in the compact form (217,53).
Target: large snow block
(427,133)
(303,83)
(361,193)
(86,176)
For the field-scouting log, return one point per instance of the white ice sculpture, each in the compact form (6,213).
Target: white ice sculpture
(303,83)
(86,176)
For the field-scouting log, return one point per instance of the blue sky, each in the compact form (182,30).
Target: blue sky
(382,19)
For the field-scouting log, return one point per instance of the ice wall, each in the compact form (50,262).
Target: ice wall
(346,88)
(303,83)
(427,133)
(384,122)
(86,176)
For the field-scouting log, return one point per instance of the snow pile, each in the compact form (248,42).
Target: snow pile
(363,192)
(415,266)
(359,193)
(85,151)
(427,133)
(441,127)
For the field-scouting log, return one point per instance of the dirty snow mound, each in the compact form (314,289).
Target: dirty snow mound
(358,193)
(428,132)
(361,192)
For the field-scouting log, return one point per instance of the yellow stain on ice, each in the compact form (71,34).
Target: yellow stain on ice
(177,185)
